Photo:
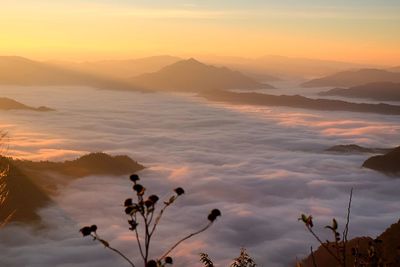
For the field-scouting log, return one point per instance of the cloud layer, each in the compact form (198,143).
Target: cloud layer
(261,166)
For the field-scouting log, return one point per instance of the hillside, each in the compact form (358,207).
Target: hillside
(297,101)
(193,76)
(388,163)
(354,78)
(10,104)
(24,196)
(31,184)
(381,91)
(25,72)
(90,164)
(388,243)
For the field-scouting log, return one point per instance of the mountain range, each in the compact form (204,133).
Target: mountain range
(382,91)
(121,69)
(354,78)
(297,101)
(26,72)
(269,68)
(184,75)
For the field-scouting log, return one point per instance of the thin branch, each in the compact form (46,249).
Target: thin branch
(346,229)
(323,245)
(185,238)
(137,236)
(159,218)
(107,245)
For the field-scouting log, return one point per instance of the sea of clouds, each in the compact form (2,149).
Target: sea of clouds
(260,166)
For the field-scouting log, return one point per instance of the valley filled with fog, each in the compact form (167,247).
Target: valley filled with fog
(261,166)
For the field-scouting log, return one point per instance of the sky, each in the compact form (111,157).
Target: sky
(353,30)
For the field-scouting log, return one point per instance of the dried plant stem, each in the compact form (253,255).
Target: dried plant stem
(159,218)
(185,238)
(324,246)
(107,245)
(346,229)
(137,237)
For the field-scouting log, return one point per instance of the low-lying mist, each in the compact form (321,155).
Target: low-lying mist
(260,166)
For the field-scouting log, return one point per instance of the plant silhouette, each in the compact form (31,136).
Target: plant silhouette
(142,211)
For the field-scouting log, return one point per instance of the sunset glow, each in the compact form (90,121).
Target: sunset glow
(360,31)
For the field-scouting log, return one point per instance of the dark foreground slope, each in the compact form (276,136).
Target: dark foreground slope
(10,104)
(297,101)
(381,91)
(30,185)
(388,243)
(23,198)
(388,163)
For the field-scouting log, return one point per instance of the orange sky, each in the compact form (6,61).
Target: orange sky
(81,30)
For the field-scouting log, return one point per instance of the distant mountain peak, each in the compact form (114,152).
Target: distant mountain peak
(193,75)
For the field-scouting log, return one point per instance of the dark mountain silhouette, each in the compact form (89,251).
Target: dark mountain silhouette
(193,76)
(387,244)
(9,104)
(388,163)
(352,148)
(297,101)
(355,78)
(121,68)
(90,164)
(25,72)
(382,91)
(31,184)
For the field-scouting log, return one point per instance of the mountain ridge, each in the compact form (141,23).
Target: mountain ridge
(354,78)
(191,75)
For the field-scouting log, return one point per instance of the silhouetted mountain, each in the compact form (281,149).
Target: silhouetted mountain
(388,163)
(122,68)
(297,101)
(383,91)
(8,104)
(355,78)
(25,72)
(90,164)
(387,244)
(192,75)
(352,148)
(31,183)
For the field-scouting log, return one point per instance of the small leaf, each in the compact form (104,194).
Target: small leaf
(334,224)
